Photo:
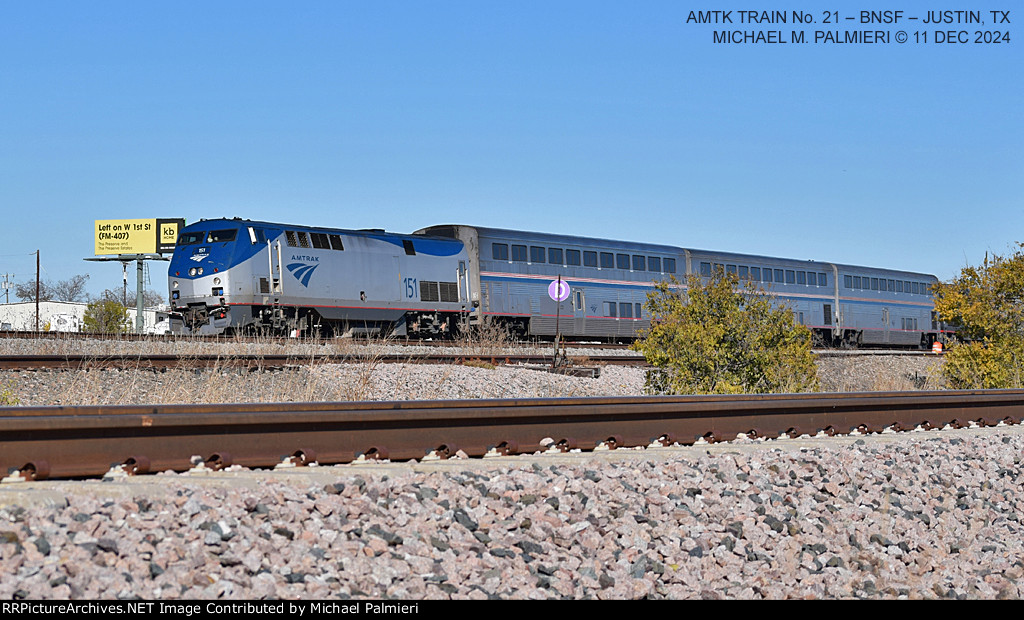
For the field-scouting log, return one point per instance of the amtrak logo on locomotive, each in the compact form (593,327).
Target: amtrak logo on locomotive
(302,272)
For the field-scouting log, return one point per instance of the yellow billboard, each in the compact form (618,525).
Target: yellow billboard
(134,236)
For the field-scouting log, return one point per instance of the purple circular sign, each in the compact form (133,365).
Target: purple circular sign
(558,290)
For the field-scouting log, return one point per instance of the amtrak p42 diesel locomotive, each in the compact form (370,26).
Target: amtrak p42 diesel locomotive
(241,276)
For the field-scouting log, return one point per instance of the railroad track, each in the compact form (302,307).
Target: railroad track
(84,441)
(236,339)
(268,362)
(283,340)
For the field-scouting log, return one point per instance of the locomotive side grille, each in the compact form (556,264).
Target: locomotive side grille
(449,291)
(428,291)
(264,286)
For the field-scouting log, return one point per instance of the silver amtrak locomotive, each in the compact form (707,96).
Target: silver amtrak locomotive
(241,276)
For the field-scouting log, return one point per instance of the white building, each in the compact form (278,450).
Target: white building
(67,316)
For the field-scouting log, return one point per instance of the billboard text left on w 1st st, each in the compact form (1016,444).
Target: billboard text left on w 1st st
(847,27)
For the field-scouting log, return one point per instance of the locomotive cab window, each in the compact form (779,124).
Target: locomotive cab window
(336,243)
(191,238)
(257,236)
(221,236)
(409,249)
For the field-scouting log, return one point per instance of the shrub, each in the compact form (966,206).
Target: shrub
(718,338)
(106,316)
(986,306)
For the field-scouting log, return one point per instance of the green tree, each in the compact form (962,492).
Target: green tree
(105,316)
(986,307)
(720,338)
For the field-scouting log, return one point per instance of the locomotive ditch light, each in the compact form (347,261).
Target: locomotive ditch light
(192,271)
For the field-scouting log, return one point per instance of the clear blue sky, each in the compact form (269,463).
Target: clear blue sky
(604,119)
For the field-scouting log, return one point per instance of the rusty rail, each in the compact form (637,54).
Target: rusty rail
(67,442)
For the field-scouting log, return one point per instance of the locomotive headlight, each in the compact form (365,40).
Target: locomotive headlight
(192,271)
(216,280)
(174,284)
(200,271)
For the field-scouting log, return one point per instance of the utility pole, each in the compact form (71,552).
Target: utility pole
(37,290)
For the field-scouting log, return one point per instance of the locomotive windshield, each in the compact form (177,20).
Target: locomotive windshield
(220,236)
(191,238)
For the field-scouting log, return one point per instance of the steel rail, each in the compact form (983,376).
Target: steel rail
(263,362)
(285,340)
(239,339)
(81,441)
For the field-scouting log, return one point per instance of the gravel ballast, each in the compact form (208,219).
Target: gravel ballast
(925,515)
(913,515)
